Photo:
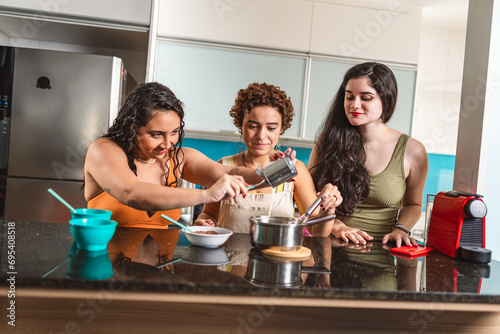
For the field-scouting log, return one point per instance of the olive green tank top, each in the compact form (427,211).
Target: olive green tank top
(378,212)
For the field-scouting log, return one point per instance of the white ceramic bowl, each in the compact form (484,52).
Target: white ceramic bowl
(208,240)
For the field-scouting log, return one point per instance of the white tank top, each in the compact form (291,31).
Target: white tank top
(234,214)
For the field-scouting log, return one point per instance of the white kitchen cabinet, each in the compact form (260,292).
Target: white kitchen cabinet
(134,12)
(389,32)
(384,34)
(262,23)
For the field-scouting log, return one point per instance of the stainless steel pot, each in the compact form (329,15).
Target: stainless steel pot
(277,172)
(284,232)
(273,273)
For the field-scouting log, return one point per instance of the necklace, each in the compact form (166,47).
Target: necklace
(145,161)
(243,158)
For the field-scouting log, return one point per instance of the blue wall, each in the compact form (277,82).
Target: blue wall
(215,149)
(439,178)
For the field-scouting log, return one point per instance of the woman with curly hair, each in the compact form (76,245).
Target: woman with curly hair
(380,172)
(262,113)
(136,168)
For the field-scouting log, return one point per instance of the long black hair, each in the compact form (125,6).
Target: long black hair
(341,156)
(139,107)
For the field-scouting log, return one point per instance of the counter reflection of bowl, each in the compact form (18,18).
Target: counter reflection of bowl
(90,265)
(208,240)
(205,256)
(91,213)
(92,234)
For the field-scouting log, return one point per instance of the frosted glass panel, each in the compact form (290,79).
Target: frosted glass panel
(207,80)
(326,77)
(403,115)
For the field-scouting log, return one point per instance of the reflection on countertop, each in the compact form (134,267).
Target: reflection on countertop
(162,260)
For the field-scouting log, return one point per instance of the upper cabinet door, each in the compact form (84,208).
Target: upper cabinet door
(274,24)
(366,33)
(135,12)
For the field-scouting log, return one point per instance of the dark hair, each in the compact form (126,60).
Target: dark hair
(139,108)
(262,94)
(340,152)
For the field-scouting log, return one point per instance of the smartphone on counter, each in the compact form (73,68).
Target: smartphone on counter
(411,251)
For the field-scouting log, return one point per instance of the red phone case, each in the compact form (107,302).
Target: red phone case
(412,251)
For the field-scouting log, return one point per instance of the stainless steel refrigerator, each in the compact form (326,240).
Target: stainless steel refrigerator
(53,104)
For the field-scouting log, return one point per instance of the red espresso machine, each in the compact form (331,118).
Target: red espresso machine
(457,226)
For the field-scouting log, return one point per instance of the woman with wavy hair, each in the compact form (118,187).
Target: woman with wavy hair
(262,112)
(380,171)
(136,168)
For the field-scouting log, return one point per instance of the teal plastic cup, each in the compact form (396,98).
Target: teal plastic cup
(91,213)
(92,234)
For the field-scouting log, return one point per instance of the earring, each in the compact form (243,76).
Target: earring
(241,146)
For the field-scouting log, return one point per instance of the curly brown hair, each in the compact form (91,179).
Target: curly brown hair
(262,94)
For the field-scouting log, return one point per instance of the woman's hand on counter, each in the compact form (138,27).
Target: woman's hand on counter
(341,231)
(399,237)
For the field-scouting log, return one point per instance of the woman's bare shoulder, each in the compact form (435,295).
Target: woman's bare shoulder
(102,142)
(415,148)
(415,154)
(299,164)
(104,145)
(104,149)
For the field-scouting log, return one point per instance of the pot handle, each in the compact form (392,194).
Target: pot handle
(313,206)
(315,270)
(320,219)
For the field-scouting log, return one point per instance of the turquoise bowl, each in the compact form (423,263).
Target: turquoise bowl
(91,213)
(92,234)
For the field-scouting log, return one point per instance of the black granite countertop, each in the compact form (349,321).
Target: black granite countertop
(163,261)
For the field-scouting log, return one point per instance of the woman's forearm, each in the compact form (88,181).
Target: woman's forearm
(201,170)
(409,215)
(150,197)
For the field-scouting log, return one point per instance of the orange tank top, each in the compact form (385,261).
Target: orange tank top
(127,216)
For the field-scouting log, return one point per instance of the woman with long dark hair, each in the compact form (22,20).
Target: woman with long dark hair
(136,168)
(380,172)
